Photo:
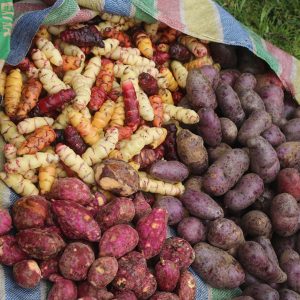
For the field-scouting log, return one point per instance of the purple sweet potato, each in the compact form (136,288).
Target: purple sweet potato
(10,252)
(192,230)
(118,211)
(27,274)
(246,81)
(40,243)
(209,127)
(5,221)
(246,191)
(30,212)
(274,136)
(285,214)
(263,159)
(103,271)
(291,130)
(71,189)
(118,240)
(132,269)
(87,298)
(199,90)
(167,275)
(164,296)
(289,155)
(257,122)
(229,131)
(261,291)
(211,74)
(288,181)
(97,202)
(76,261)
(224,173)
(217,267)
(174,208)
(216,152)
(225,234)
(49,267)
(251,101)
(147,287)
(87,290)
(186,286)
(225,55)
(125,295)
(201,205)
(179,251)
(229,104)
(63,289)
(229,76)
(141,206)
(170,171)
(286,294)
(75,221)
(152,231)
(193,183)
(272,97)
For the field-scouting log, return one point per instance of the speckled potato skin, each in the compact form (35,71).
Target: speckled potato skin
(192,230)
(167,275)
(193,183)
(216,152)
(85,289)
(245,192)
(164,296)
(125,295)
(261,291)
(229,131)
(117,177)
(179,251)
(103,271)
(147,287)
(288,181)
(63,289)
(76,261)
(75,221)
(5,221)
(274,136)
(71,189)
(286,294)
(281,244)
(217,267)
(118,240)
(118,211)
(229,76)
(187,286)
(27,273)
(251,101)
(40,243)
(49,267)
(289,155)
(10,252)
(30,212)
(224,173)
(152,231)
(225,234)
(285,214)
(246,81)
(132,268)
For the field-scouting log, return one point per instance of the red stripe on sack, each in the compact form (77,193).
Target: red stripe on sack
(81,15)
(169,12)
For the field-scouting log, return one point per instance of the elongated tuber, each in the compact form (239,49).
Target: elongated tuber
(81,86)
(146,110)
(50,51)
(31,124)
(157,105)
(143,43)
(40,59)
(184,115)
(109,46)
(194,45)
(166,96)
(180,73)
(113,33)
(10,151)
(92,70)
(2,84)
(198,63)
(103,116)
(51,83)
(46,178)
(118,116)
(166,74)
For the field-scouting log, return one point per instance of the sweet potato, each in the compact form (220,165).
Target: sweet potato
(285,214)
(229,104)
(224,173)
(289,155)
(118,211)
(229,76)
(179,251)
(141,206)
(63,289)
(169,171)
(251,101)
(174,208)
(261,291)
(288,181)
(71,189)
(27,273)
(85,289)
(291,130)
(258,122)
(75,221)
(186,286)
(164,296)
(256,223)
(76,261)
(147,287)
(193,183)
(118,240)
(192,230)
(286,294)
(224,234)
(246,191)
(5,221)
(201,205)
(199,90)
(263,159)
(216,152)
(167,275)
(102,271)
(272,97)
(225,55)
(217,267)
(229,131)
(191,151)
(125,295)
(49,267)
(274,136)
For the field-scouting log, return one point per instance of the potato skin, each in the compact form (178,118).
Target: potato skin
(209,127)
(229,104)
(289,155)
(291,130)
(263,159)
(224,173)
(192,152)
(211,74)
(229,131)
(192,230)
(285,214)
(281,243)
(199,90)
(193,183)
(257,122)
(286,294)
(246,81)
(186,286)
(245,192)
(229,76)
(217,267)
(274,136)
(201,205)
(288,181)
(216,152)
(261,291)
(251,101)
(263,202)
(170,171)
(224,234)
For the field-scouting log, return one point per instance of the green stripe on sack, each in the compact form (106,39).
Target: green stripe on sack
(145,10)
(224,294)
(6,20)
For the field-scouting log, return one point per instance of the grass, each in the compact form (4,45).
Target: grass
(277,21)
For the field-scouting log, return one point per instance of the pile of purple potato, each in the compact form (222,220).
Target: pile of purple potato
(237,221)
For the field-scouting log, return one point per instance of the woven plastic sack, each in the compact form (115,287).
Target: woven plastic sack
(203,19)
